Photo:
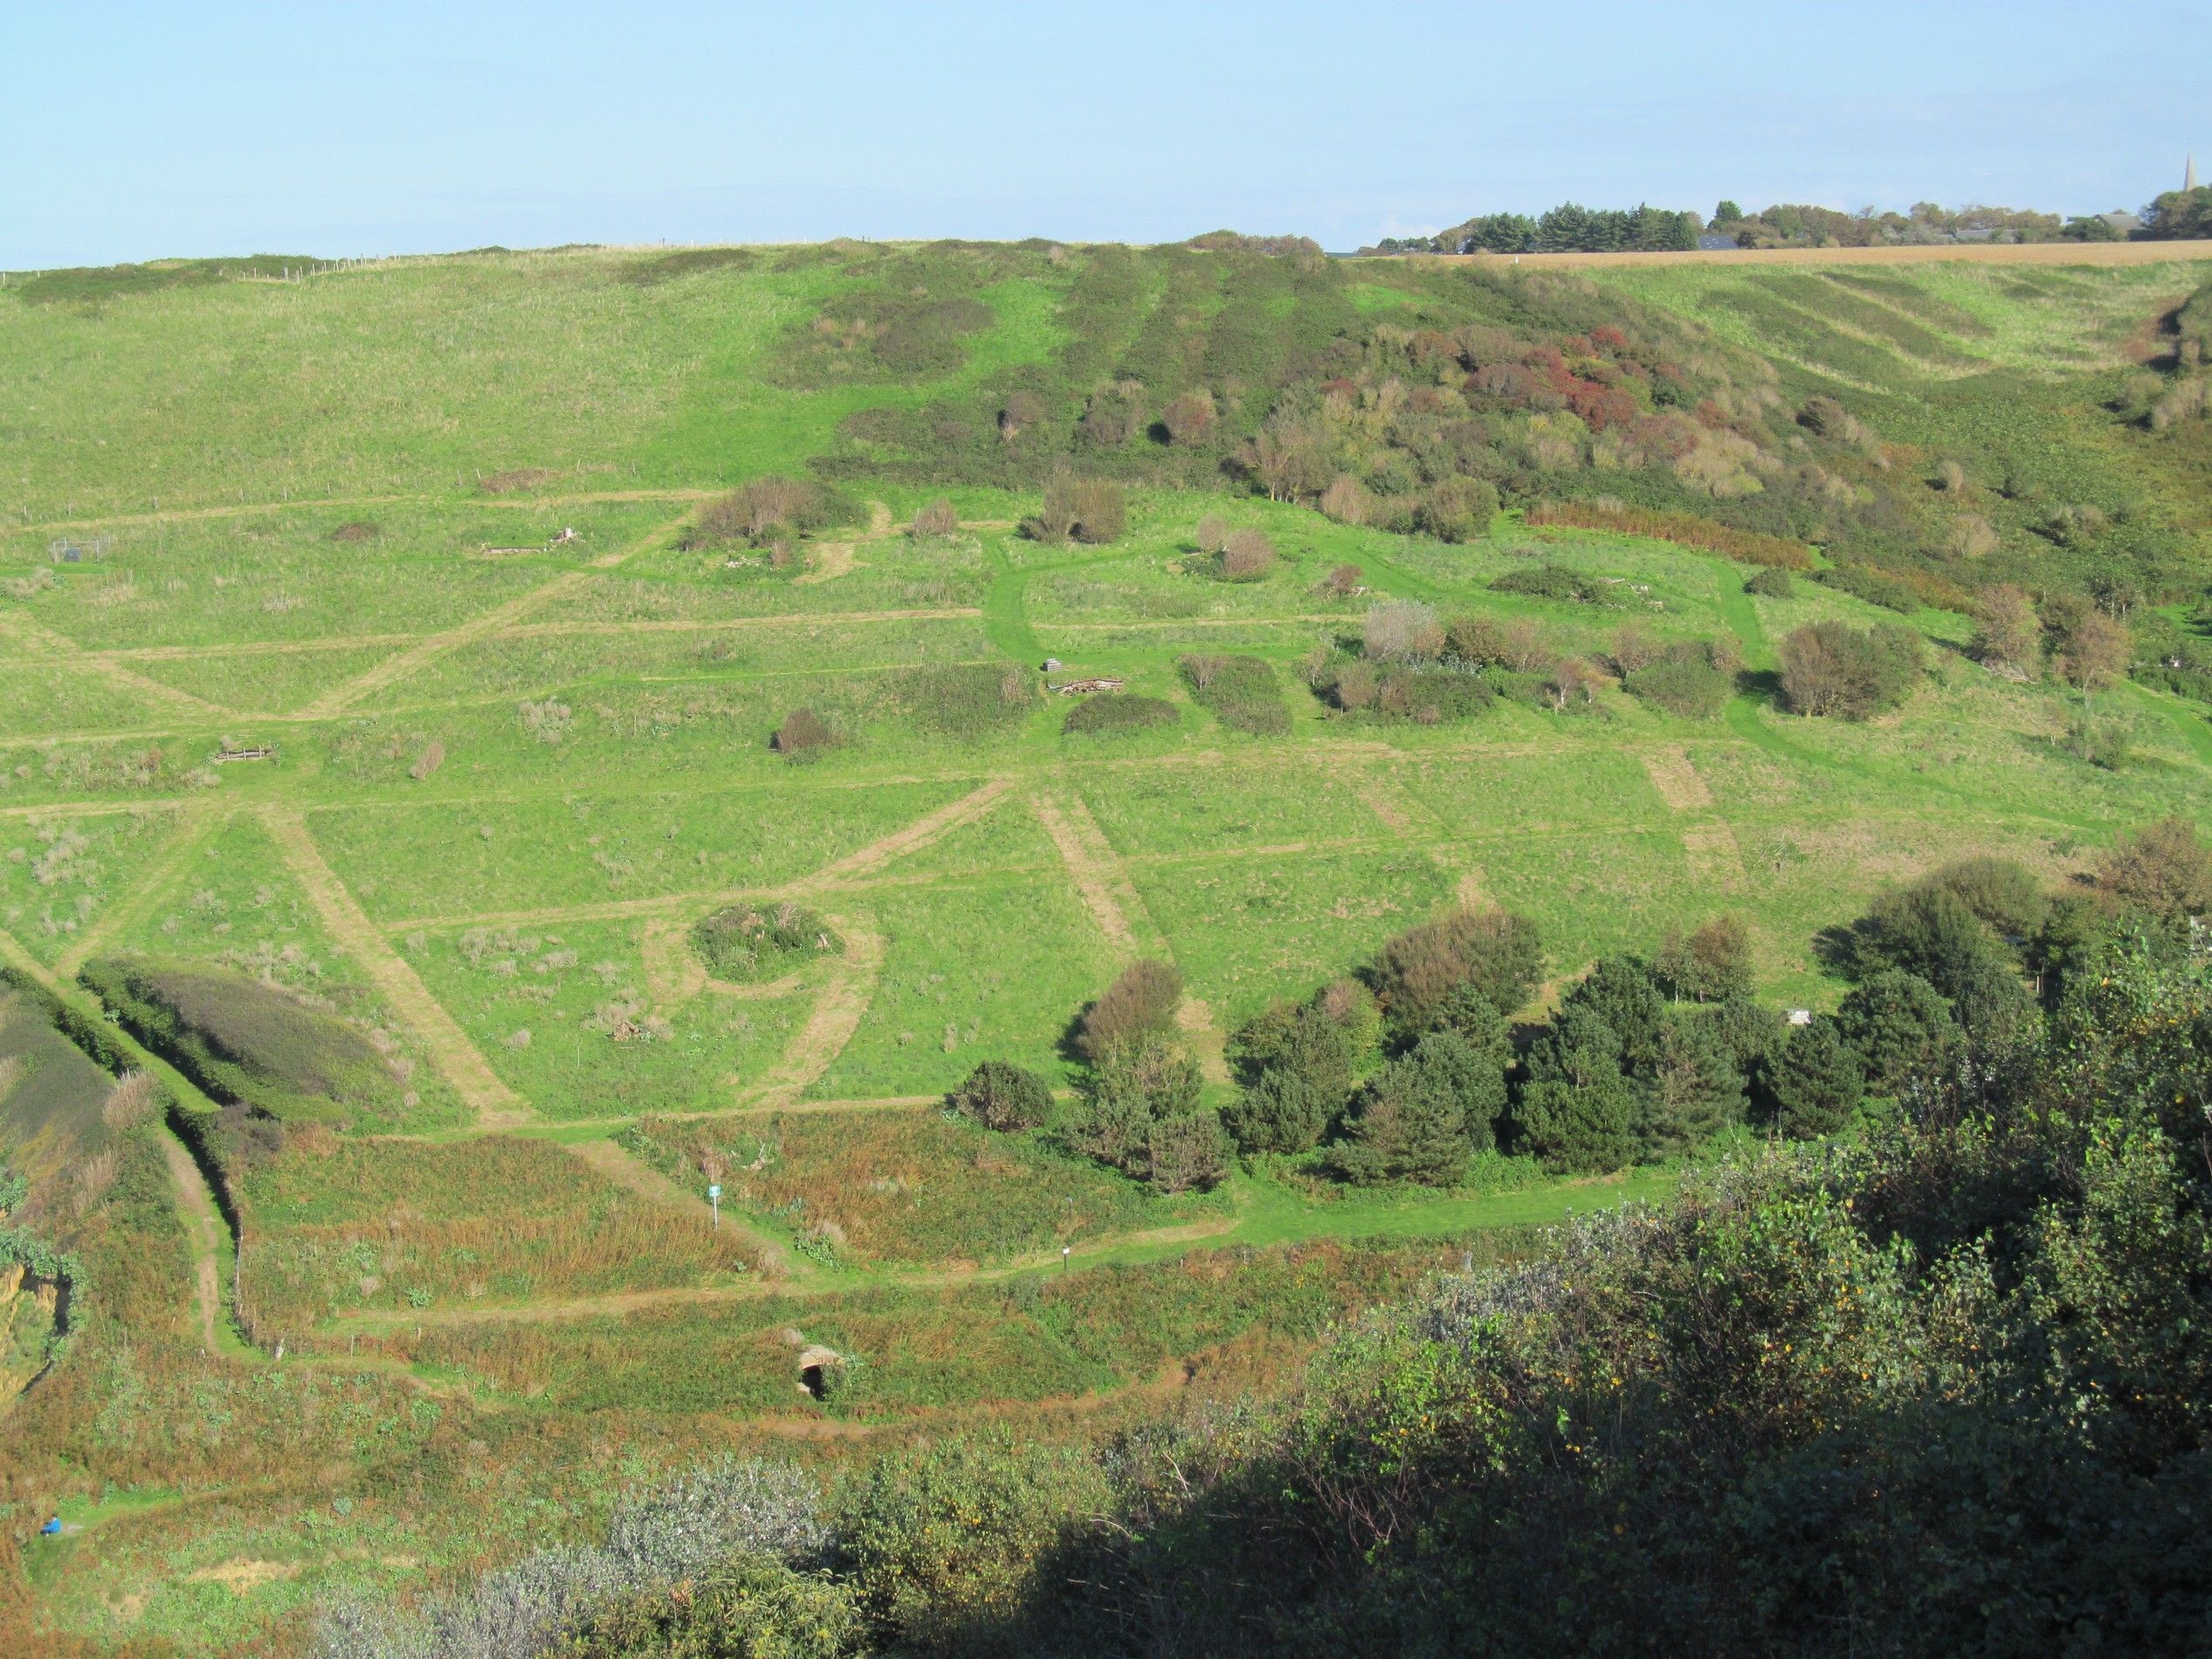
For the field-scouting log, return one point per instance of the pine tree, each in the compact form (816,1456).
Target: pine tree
(1416,1115)
(1896,1022)
(1819,1082)
(1577,1111)
(1279,1111)
(1694,1092)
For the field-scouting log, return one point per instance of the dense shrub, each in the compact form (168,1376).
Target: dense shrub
(1772,583)
(1685,684)
(1279,1111)
(1246,556)
(1117,713)
(1401,630)
(939,518)
(1093,511)
(1832,668)
(1871,585)
(2162,870)
(1711,963)
(755,513)
(999,1095)
(1458,509)
(746,943)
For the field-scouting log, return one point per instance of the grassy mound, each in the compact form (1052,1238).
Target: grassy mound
(751,942)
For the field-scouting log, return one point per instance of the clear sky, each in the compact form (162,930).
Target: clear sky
(129,131)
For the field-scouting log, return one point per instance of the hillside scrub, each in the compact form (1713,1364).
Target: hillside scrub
(1118,715)
(1241,692)
(755,514)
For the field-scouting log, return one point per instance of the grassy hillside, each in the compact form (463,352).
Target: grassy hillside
(390,689)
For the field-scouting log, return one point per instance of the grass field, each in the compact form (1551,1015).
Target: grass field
(508,774)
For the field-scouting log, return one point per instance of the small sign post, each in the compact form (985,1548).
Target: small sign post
(714,1197)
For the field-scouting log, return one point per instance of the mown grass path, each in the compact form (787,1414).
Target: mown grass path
(496,1105)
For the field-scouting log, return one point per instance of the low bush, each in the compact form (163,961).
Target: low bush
(1832,668)
(939,518)
(803,736)
(1241,692)
(1772,583)
(1558,583)
(1872,586)
(1684,529)
(1139,1006)
(1496,954)
(968,701)
(1117,714)
(1001,1096)
(748,943)
(755,513)
(1682,682)
(1425,695)
(1246,556)
(1091,511)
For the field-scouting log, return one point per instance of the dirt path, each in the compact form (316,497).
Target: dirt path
(833,559)
(1714,855)
(1675,779)
(724,624)
(203,1232)
(617,1303)
(836,1015)
(1094,878)
(39,640)
(1103,883)
(643,1181)
(929,828)
(401,663)
(495,1105)
(190,835)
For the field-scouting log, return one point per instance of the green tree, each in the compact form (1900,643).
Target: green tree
(1819,1082)
(1279,1111)
(1577,1112)
(1693,1091)
(1621,993)
(1186,1152)
(1421,1116)
(1470,1016)
(1897,1023)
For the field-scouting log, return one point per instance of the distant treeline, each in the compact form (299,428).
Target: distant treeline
(1571,228)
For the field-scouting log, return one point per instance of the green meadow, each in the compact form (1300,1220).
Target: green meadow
(390,675)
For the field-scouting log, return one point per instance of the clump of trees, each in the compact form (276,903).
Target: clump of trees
(1002,1096)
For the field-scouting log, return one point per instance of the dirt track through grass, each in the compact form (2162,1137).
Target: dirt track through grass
(455,1057)
(204,1235)
(835,1015)
(190,836)
(643,1181)
(342,697)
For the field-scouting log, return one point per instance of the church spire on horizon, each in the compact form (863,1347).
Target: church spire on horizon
(2188,172)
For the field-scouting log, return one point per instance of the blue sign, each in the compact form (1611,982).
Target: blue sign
(714,1190)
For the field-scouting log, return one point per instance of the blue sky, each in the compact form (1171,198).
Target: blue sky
(133,131)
